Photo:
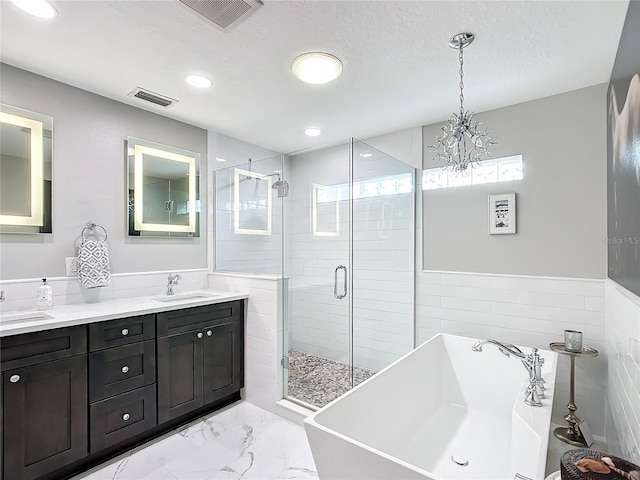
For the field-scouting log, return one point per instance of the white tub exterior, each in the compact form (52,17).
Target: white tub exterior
(440,400)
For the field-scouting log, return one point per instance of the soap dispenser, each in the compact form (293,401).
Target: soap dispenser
(45,296)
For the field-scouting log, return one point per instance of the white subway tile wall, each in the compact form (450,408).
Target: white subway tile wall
(623,374)
(263,334)
(21,294)
(530,311)
(383,283)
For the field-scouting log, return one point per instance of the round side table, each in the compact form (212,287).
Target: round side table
(572,434)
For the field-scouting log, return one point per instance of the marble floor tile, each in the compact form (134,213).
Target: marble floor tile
(239,442)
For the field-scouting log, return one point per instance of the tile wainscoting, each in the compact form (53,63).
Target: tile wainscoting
(525,310)
(21,294)
(623,373)
(263,376)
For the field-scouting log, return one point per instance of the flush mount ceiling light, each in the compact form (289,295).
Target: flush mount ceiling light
(37,8)
(312,132)
(198,81)
(462,141)
(316,67)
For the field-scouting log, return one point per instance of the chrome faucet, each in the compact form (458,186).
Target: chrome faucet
(532,363)
(172,281)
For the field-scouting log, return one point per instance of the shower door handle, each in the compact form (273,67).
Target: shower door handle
(339,296)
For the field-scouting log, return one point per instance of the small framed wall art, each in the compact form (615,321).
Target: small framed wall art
(502,213)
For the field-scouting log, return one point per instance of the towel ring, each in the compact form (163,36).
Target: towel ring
(91,226)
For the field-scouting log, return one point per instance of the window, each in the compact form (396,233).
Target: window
(505,169)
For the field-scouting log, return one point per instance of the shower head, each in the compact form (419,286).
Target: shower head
(278,182)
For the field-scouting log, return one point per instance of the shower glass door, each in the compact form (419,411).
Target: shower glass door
(316,335)
(349,261)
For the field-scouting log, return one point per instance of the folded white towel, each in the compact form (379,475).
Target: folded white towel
(93,263)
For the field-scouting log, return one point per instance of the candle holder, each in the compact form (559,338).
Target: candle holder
(573,341)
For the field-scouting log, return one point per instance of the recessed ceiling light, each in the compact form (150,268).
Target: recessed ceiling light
(316,67)
(366,155)
(312,132)
(37,8)
(199,81)
(221,159)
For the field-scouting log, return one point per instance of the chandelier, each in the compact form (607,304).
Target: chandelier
(462,142)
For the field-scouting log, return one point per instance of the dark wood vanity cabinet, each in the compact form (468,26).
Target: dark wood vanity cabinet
(200,357)
(44,386)
(74,397)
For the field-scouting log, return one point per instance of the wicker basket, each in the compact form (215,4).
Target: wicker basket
(569,470)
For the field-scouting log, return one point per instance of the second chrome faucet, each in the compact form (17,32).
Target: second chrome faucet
(172,281)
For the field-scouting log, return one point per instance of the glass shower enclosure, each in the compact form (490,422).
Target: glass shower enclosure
(351,262)
(338,225)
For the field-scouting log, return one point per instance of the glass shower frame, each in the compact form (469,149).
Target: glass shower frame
(369,201)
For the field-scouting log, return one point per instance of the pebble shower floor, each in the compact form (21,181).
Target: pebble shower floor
(318,381)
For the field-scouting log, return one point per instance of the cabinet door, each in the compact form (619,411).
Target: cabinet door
(45,412)
(223,361)
(179,374)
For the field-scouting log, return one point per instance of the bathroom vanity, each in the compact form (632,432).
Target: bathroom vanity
(76,391)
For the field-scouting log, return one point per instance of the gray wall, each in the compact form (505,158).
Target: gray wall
(561,202)
(89,133)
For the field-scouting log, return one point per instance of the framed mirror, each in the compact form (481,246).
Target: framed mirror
(163,190)
(26,167)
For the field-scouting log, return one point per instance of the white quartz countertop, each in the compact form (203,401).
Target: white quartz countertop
(27,321)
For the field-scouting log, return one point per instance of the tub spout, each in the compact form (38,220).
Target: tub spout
(531,362)
(505,348)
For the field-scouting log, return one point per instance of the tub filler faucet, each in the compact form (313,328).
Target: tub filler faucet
(532,363)
(172,281)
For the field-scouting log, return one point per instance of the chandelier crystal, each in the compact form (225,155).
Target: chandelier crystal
(464,141)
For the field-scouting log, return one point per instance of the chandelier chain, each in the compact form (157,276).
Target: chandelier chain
(461,82)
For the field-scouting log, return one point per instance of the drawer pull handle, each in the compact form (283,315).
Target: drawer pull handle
(209,333)
(125,369)
(200,335)
(14,378)
(126,417)
(125,331)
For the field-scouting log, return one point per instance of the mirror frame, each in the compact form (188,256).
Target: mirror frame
(36,123)
(136,149)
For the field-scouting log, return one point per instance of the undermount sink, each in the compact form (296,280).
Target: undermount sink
(24,316)
(184,297)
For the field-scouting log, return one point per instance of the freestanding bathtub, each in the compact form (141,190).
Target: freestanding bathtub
(442,411)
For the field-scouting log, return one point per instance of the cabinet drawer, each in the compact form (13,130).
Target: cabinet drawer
(179,321)
(123,331)
(38,347)
(120,418)
(120,369)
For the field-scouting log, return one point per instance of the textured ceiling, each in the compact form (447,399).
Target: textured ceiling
(398,70)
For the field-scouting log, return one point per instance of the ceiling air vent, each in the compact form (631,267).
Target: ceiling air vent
(224,14)
(151,97)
